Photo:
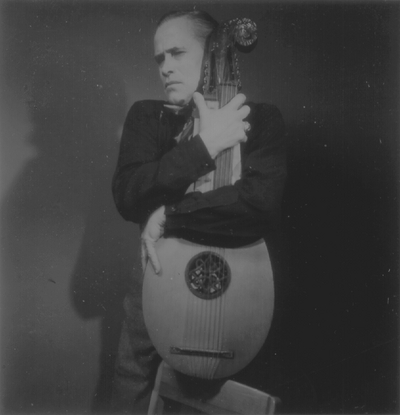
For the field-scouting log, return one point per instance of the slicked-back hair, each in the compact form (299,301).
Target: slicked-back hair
(203,23)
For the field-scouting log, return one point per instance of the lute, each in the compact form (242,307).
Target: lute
(209,311)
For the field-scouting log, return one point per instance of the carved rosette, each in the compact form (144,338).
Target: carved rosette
(207,275)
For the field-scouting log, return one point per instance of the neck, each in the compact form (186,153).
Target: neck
(185,109)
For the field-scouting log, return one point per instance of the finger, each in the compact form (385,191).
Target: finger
(143,256)
(241,133)
(200,103)
(152,255)
(244,139)
(246,127)
(236,102)
(243,112)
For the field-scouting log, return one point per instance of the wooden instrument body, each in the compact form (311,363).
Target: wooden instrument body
(237,321)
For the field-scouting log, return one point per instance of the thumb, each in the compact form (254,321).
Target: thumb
(152,255)
(201,105)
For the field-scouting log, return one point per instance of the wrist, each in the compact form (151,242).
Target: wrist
(210,145)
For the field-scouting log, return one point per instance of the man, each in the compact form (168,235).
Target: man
(155,168)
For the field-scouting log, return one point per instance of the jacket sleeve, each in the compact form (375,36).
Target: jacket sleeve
(250,208)
(152,170)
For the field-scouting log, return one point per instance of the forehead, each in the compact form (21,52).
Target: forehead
(177,32)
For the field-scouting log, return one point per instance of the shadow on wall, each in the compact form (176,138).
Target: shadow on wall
(58,221)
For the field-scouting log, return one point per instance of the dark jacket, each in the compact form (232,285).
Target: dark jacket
(154,170)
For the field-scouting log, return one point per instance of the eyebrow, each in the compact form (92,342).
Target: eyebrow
(159,56)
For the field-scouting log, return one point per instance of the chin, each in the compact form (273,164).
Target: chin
(177,99)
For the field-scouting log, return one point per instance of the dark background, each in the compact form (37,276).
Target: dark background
(70,70)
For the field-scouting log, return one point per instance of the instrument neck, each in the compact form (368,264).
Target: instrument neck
(224,160)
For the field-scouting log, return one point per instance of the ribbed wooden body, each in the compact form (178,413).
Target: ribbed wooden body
(220,336)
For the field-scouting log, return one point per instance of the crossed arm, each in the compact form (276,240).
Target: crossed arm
(153,174)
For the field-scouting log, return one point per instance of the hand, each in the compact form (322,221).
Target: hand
(222,128)
(152,232)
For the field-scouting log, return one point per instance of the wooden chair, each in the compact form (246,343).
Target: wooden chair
(228,397)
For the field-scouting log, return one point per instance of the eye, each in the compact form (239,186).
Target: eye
(177,53)
(159,59)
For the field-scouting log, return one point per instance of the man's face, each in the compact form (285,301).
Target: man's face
(179,56)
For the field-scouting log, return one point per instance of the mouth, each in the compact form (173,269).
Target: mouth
(171,83)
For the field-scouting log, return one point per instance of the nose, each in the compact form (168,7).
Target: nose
(167,66)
